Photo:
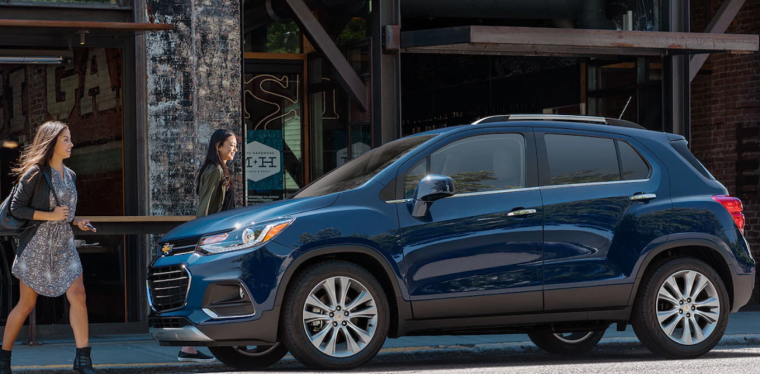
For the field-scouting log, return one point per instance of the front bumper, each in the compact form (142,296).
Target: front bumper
(256,270)
(186,334)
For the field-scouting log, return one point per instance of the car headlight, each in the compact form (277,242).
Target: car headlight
(243,237)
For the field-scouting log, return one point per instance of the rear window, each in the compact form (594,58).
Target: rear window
(682,148)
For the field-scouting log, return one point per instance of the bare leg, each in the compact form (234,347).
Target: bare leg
(189,350)
(78,313)
(26,302)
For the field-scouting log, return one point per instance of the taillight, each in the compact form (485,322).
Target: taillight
(735,207)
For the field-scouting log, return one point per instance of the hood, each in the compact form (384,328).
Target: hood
(255,213)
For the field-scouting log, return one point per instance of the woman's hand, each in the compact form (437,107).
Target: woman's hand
(60,213)
(82,224)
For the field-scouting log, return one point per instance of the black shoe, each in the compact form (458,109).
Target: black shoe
(83,363)
(5,362)
(197,357)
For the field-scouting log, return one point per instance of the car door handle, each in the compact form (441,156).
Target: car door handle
(521,212)
(643,197)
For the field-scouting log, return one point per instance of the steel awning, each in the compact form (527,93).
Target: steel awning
(534,41)
(95,28)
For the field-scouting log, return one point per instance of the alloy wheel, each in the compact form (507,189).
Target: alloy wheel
(688,307)
(340,316)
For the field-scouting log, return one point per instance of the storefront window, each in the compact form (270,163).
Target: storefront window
(274,131)
(274,38)
(85,93)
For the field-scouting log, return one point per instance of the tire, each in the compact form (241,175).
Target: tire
(325,345)
(704,316)
(250,358)
(566,344)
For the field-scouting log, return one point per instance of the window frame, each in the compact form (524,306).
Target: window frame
(543,157)
(531,162)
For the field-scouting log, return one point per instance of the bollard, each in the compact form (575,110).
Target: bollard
(33,328)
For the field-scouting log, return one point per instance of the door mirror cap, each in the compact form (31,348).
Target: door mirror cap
(434,187)
(431,188)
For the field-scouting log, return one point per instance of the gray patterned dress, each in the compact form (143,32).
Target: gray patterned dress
(50,262)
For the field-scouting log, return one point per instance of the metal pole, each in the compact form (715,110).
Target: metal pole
(33,328)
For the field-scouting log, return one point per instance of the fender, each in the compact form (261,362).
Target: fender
(712,242)
(401,295)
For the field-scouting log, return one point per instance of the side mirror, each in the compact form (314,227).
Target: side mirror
(431,188)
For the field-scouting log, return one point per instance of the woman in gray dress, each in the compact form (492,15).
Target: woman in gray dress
(47,262)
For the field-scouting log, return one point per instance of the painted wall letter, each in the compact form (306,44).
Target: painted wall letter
(106,97)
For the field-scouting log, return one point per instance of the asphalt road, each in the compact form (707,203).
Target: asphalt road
(726,359)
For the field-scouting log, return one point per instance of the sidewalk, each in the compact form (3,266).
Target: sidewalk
(141,351)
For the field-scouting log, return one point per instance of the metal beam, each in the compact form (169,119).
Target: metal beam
(490,40)
(718,25)
(346,75)
(676,88)
(386,72)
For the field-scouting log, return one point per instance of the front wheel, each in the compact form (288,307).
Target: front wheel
(250,357)
(567,343)
(682,309)
(336,316)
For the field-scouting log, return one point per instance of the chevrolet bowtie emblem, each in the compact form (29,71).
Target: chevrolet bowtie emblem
(166,249)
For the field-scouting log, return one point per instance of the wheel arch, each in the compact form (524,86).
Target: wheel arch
(709,251)
(367,258)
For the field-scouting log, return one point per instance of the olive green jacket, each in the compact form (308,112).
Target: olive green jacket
(211,194)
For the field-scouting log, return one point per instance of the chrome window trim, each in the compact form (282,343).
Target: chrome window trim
(467,194)
(595,183)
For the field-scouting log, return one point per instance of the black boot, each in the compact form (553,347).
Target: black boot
(83,363)
(5,362)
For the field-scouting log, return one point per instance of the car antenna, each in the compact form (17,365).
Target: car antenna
(626,107)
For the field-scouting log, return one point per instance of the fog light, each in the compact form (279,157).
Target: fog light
(227,300)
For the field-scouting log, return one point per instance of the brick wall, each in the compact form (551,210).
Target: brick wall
(725,115)
(194,88)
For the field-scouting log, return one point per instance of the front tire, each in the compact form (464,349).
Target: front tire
(682,309)
(566,344)
(336,316)
(250,358)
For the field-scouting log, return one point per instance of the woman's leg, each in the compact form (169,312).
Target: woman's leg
(26,302)
(78,313)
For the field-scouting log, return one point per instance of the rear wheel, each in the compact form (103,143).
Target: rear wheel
(250,357)
(566,343)
(336,316)
(682,309)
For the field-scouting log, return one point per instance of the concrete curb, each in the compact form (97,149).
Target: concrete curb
(385,355)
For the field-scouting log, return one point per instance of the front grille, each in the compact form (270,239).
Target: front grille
(168,287)
(179,247)
(168,322)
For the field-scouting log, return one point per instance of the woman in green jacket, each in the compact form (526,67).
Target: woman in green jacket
(214,184)
(215,194)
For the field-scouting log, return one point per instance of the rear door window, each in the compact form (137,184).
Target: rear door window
(577,159)
(634,166)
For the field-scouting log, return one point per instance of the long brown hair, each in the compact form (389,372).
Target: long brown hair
(42,148)
(212,158)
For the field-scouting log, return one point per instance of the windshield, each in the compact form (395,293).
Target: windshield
(361,169)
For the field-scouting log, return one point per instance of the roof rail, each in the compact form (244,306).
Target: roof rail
(558,117)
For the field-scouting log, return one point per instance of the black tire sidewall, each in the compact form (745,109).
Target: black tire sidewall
(296,338)
(549,343)
(237,360)
(645,322)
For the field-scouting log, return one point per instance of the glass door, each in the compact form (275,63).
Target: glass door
(273,129)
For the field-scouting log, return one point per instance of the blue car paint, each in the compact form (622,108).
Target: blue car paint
(466,249)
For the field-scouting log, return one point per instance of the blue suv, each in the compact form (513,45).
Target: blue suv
(554,226)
